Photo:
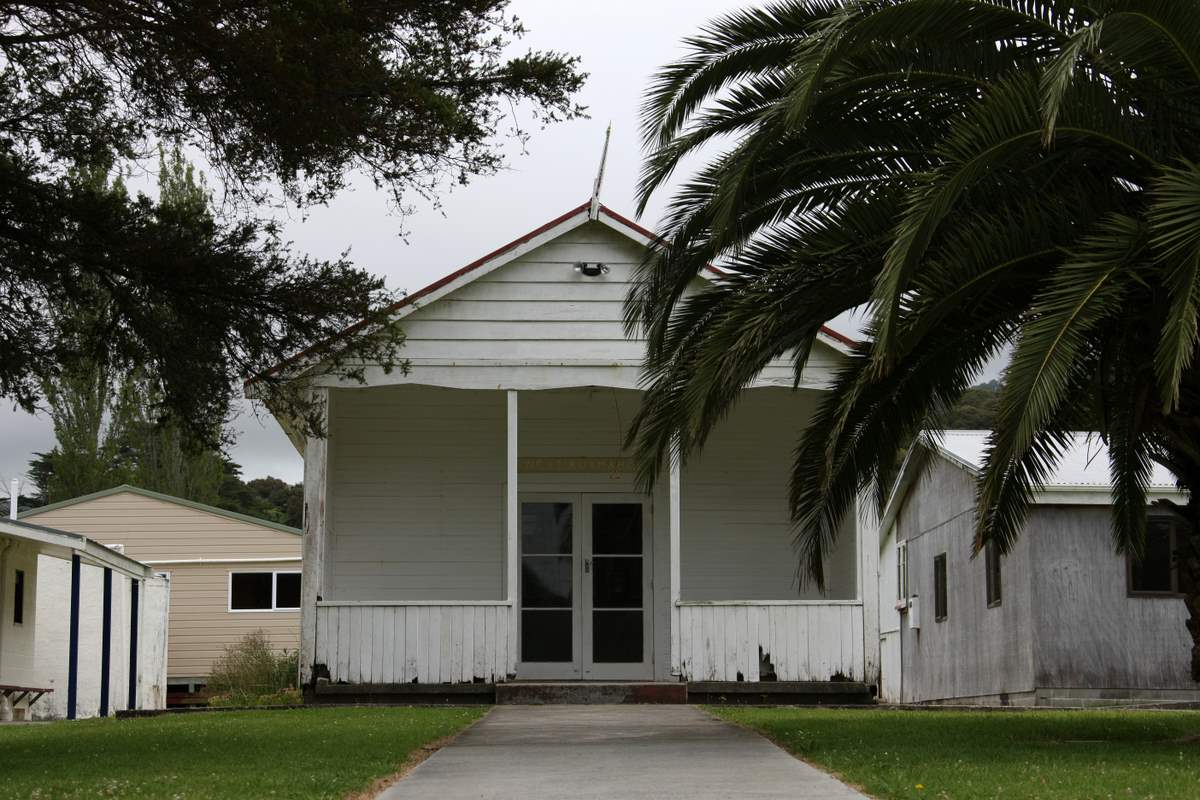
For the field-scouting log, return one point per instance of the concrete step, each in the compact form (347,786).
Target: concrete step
(803,693)
(587,693)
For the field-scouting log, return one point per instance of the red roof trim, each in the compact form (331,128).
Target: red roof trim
(479,262)
(409,299)
(841,337)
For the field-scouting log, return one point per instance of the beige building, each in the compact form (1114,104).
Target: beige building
(230,574)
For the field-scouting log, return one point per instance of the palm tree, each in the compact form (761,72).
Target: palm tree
(979,174)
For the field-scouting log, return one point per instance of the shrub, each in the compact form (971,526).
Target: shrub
(286,697)
(250,671)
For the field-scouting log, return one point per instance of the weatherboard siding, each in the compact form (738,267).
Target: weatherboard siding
(414,544)
(536,307)
(156,530)
(536,322)
(425,643)
(1088,632)
(202,625)
(812,641)
(737,534)
(165,534)
(416,484)
(977,651)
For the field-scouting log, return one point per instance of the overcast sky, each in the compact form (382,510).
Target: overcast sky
(621,43)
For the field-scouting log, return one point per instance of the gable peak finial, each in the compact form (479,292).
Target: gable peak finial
(594,208)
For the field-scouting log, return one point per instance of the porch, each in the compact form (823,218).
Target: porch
(466,536)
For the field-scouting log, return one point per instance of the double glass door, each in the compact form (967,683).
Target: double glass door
(585,593)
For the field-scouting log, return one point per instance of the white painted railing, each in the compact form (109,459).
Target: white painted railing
(460,642)
(429,642)
(801,640)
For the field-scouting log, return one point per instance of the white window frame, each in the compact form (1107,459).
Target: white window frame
(902,601)
(275,573)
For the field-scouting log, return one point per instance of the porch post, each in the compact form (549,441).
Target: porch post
(316,457)
(866,525)
(511,524)
(675,524)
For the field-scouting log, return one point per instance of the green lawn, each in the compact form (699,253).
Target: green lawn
(303,753)
(964,754)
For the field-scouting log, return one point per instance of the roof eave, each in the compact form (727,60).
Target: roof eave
(497,258)
(166,498)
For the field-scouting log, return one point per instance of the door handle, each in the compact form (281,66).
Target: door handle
(587,566)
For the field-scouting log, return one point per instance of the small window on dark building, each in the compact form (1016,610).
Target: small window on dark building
(992,567)
(1157,571)
(940,609)
(287,590)
(19,598)
(250,591)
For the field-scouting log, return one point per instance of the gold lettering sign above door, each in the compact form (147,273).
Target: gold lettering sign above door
(611,466)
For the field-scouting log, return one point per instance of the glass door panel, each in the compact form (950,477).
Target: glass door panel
(617,638)
(547,583)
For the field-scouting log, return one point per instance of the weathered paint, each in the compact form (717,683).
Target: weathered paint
(316,522)
(1065,623)
(799,641)
(148,675)
(423,465)
(415,643)
(1088,632)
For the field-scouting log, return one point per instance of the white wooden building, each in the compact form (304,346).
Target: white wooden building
(83,627)
(475,519)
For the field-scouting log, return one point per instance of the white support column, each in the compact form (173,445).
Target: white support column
(316,466)
(512,520)
(675,523)
(866,526)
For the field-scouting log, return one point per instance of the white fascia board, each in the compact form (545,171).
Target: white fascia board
(62,544)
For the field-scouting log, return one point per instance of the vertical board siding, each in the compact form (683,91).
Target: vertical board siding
(803,642)
(422,643)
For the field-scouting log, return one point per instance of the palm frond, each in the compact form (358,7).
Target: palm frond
(1051,365)
(1174,219)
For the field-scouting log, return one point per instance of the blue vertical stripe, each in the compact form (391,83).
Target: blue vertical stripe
(133,644)
(106,642)
(73,652)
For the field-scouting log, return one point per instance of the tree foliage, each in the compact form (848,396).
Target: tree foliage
(113,428)
(975,409)
(284,99)
(981,174)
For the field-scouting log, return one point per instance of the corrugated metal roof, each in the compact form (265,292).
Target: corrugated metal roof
(1084,464)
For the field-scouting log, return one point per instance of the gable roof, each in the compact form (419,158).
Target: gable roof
(1081,476)
(166,498)
(1084,464)
(502,255)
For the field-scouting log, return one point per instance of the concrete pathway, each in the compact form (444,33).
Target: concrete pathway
(612,753)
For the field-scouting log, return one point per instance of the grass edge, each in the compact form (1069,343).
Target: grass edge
(414,759)
(837,776)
